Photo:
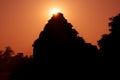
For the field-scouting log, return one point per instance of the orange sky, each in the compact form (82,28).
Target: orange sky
(22,20)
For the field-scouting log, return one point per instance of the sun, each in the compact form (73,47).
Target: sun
(54,11)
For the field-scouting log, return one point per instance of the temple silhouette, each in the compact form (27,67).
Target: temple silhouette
(59,52)
(59,44)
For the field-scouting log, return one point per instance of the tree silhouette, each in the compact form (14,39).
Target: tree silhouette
(21,67)
(7,55)
(11,63)
(59,44)
(109,43)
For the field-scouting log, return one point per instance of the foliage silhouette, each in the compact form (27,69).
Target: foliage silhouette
(109,43)
(9,62)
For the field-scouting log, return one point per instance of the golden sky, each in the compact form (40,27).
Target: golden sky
(22,20)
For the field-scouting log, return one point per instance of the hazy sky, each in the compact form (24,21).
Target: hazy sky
(22,20)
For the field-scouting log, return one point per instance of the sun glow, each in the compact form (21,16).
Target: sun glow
(54,11)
